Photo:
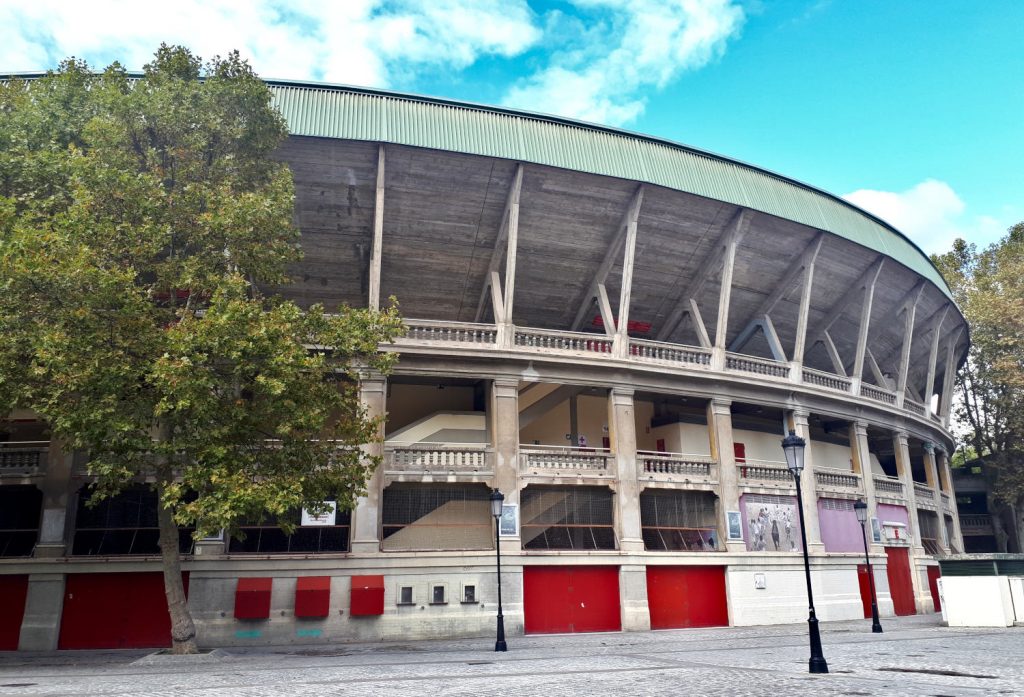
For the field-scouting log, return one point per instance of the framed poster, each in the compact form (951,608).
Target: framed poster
(735,525)
(324,519)
(508,523)
(876,531)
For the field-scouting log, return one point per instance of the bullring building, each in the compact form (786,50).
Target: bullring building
(613,330)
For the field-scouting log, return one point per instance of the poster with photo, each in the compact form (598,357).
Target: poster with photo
(876,530)
(508,524)
(772,523)
(735,521)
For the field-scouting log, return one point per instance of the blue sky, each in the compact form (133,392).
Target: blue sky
(912,109)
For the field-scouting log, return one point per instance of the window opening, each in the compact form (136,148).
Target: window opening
(124,524)
(437,516)
(267,537)
(469,594)
(566,517)
(679,520)
(405,595)
(19,519)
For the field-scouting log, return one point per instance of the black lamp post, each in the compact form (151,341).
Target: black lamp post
(861,509)
(793,446)
(496,500)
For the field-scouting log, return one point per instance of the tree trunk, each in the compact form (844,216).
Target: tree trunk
(183,629)
(1018,524)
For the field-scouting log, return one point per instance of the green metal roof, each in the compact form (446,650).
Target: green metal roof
(333,111)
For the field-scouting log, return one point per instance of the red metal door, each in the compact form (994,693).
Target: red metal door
(865,588)
(901,587)
(933,585)
(559,599)
(687,596)
(13,591)
(115,611)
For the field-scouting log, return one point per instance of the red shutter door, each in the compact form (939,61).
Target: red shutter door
(687,596)
(561,599)
(865,589)
(13,591)
(901,587)
(933,585)
(115,611)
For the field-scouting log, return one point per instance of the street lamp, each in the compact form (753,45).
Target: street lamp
(496,500)
(793,446)
(861,509)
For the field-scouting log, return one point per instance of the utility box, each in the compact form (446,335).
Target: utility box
(313,596)
(252,598)
(367,596)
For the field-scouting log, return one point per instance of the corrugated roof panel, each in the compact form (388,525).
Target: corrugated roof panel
(337,112)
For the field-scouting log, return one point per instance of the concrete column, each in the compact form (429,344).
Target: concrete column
(56,487)
(932,477)
(721,441)
(40,627)
(957,543)
(635,615)
(504,426)
(860,454)
(622,434)
(922,594)
(366,517)
(797,421)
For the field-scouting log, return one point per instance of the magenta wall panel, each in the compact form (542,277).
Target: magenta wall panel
(840,529)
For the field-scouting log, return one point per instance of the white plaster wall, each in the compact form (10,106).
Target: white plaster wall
(471,423)
(784,598)
(691,439)
(838,457)
(550,429)
(760,446)
(408,403)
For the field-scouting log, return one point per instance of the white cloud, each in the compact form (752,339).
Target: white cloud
(930,213)
(601,73)
(365,42)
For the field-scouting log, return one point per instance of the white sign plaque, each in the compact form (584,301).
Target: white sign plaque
(324,519)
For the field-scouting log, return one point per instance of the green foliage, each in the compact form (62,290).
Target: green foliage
(988,285)
(139,219)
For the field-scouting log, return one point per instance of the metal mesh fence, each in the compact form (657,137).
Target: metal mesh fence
(436,517)
(567,517)
(679,520)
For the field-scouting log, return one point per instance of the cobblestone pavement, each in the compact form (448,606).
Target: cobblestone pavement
(915,656)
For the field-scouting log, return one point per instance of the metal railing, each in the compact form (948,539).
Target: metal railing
(681,464)
(829,380)
(756,365)
(450,332)
(23,457)
(564,458)
(437,457)
(839,479)
(576,342)
(661,352)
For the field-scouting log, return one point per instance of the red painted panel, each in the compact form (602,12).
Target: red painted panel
(687,596)
(115,611)
(367,595)
(571,599)
(901,586)
(313,596)
(13,591)
(252,598)
(865,588)
(933,585)
(739,451)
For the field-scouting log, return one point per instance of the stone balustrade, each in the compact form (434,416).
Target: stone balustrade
(23,457)
(429,457)
(914,406)
(823,379)
(837,479)
(764,470)
(450,332)
(575,342)
(947,503)
(697,467)
(554,459)
(888,486)
(661,352)
(756,365)
(976,522)
(877,394)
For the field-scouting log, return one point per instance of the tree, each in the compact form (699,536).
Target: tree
(140,217)
(988,285)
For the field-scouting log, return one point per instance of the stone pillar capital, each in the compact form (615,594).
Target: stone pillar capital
(929,447)
(901,437)
(860,428)
(505,387)
(721,406)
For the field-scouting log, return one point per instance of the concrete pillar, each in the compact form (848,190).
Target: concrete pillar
(957,543)
(797,422)
(860,454)
(932,477)
(622,434)
(720,437)
(366,517)
(56,488)
(635,615)
(504,427)
(922,594)
(40,627)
